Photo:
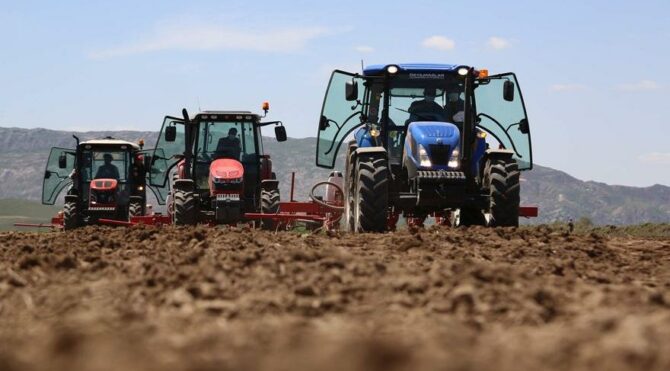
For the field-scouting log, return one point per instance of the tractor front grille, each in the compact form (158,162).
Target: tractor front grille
(439,154)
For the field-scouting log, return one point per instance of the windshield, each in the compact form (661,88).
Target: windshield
(443,103)
(227,140)
(105,163)
(413,100)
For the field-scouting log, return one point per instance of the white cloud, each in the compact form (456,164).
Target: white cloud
(659,158)
(567,87)
(439,43)
(642,85)
(199,37)
(365,49)
(498,43)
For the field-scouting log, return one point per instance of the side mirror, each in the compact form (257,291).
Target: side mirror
(62,161)
(170,133)
(523,126)
(351,90)
(508,91)
(323,123)
(280,133)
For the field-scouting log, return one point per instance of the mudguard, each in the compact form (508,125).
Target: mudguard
(370,150)
(269,184)
(497,154)
(187,185)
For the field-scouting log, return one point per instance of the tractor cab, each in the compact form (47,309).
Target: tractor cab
(106,180)
(216,160)
(437,129)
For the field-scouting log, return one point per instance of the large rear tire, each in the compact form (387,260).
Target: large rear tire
(184,208)
(270,199)
(70,216)
(372,194)
(503,183)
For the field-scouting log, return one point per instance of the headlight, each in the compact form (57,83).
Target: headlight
(374,132)
(463,71)
(392,69)
(424,160)
(454,162)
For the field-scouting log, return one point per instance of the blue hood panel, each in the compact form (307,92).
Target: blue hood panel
(434,132)
(427,134)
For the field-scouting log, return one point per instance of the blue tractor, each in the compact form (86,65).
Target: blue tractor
(440,140)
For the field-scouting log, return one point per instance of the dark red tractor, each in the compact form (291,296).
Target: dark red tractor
(213,169)
(105,180)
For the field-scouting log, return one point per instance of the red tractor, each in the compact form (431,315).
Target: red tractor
(106,180)
(214,167)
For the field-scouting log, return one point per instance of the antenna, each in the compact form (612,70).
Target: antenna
(362,65)
(199,108)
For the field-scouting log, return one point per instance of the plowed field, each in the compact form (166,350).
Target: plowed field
(232,299)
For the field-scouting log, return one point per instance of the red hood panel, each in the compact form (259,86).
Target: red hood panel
(103,184)
(226,168)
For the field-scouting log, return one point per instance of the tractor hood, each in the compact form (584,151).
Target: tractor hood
(226,176)
(225,170)
(104,184)
(434,139)
(102,195)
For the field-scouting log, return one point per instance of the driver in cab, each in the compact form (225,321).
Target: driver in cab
(229,146)
(427,109)
(107,170)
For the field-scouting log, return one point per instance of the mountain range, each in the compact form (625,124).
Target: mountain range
(23,153)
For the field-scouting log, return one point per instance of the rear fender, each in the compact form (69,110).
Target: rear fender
(269,184)
(496,154)
(186,185)
(376,151)
(493,155)
(136,199)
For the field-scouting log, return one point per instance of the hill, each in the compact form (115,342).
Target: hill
(559,195)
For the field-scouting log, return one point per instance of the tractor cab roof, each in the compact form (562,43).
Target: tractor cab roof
(110,142)
(380,69)
(227,116)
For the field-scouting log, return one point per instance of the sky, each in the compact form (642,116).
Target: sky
(593,73)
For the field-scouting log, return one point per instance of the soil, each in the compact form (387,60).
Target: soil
(232,299)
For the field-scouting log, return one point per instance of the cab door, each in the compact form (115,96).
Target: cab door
(167,152)
(159,193)
(502,113)
(342,112)
(60,165)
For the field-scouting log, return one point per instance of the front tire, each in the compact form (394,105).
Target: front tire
(70,216)
(184,208)
(270,199)
(371,197)
(134,209)
(503,183)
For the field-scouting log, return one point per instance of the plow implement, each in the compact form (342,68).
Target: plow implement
(319,212)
